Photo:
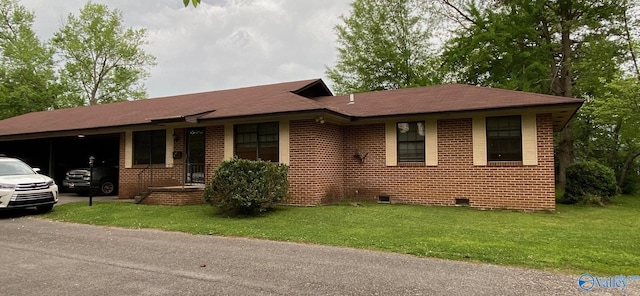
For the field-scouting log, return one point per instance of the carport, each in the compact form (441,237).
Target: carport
(55,156)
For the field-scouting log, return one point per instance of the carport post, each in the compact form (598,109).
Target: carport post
(91,159)
(51,166)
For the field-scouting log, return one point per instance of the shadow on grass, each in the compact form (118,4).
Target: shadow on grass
(18,213)
(242,215)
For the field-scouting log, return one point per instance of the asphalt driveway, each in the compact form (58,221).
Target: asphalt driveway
(41,257)
(64,198)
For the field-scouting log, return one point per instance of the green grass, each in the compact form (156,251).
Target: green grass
(574,239)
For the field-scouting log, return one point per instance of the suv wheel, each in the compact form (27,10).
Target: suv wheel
(107,188)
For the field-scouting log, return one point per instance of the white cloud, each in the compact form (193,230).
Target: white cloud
(220,44)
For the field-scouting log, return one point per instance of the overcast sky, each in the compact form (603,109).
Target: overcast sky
(221,44)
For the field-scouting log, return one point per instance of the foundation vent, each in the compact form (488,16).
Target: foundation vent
(384,199)
(462,202)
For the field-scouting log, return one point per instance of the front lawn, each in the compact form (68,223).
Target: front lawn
(575,239)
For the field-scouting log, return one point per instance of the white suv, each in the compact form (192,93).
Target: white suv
(21,186)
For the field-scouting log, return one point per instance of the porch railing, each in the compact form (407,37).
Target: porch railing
(145,179)
(181,175)
(195,173)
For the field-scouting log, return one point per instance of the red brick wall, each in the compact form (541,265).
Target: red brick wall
(510,187)
(316,171)
(214,149)
(323,168)
(177,197)
(331,165)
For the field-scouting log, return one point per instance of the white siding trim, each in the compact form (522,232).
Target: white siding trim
(228,141)
(169,148)
(128,149)
(529,140)
(284,145)
(480,141)
(391,143)
(431,142)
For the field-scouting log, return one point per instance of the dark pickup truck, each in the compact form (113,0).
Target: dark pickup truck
(104,180)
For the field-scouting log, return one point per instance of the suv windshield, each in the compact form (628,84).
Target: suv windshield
(8,168)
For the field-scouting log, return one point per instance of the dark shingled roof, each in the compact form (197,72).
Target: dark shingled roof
(284,98)
(438,99)
(264,99)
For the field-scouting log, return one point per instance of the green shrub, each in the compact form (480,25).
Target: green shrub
(631,183)
(245,187)
(560,198)
(589,182)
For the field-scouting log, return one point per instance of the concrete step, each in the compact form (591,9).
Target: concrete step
(140,197)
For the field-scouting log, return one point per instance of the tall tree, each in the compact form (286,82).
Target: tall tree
(614,136)
(27,80)
(105,62)
(537,45)
(383,44)
(608,123)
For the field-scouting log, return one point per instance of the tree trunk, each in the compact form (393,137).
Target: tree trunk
(565,137)
(626,166)
(565,154)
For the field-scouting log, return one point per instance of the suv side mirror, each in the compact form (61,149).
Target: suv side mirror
(37,170)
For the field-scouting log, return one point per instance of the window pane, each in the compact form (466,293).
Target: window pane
(504,138)
(149,147)
(244,154)
(269,128)
(141,147)
(260,140)
(492,124)
(269,153)
(247,128)
(268,138)
(158,149)
(410,141)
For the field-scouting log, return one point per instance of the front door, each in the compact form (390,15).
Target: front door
(194,166)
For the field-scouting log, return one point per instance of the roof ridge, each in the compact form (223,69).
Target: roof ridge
(139,101)
(513,91)
(490,88)
(307,81)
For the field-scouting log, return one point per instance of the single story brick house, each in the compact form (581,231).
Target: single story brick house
(437,145)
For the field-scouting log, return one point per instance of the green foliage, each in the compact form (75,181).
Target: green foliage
(610,134)
(517,44)
(383,44)
(194,2)
(245,187)
(631,184)
(105,62)
(566,48)
(500,48)
(27,79)
(589,182)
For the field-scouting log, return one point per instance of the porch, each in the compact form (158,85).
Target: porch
(175,186)
(172,195)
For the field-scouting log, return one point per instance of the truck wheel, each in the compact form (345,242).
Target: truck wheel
(107,188)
